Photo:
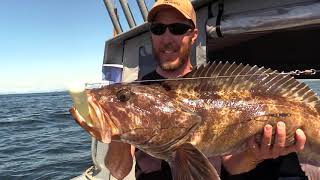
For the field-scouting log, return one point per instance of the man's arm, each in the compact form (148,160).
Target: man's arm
(248,160)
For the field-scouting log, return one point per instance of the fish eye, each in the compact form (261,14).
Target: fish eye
(124,95)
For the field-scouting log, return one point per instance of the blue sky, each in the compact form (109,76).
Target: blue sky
(45,44)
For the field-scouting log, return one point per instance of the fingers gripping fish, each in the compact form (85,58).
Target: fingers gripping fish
(211,112)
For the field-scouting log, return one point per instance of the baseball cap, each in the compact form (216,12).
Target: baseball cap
(183,6)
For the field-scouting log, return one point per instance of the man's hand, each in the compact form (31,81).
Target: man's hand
(249,159)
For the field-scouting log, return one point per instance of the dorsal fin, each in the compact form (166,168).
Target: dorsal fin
(231,76)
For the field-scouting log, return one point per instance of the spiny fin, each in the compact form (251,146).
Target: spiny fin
(230,76)
(188,163)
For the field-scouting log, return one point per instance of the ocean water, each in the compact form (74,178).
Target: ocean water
(40,140)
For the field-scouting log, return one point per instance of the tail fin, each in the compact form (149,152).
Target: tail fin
(311,152)
(312,172)
(307,156)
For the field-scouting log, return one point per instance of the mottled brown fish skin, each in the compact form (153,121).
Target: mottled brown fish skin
(230,118)
(212,111)
(157,120)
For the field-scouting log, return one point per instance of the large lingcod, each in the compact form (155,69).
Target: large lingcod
(212,111)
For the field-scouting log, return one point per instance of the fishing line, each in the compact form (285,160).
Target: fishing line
(293,73)
(296,72)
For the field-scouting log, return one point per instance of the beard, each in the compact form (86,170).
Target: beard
(171,66)
(175,63)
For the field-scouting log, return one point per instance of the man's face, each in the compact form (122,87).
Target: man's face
(172,51)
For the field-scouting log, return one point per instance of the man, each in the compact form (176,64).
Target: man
(173,32)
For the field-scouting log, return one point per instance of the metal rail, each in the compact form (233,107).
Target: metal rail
(113,16)
(143,9)
(127,13)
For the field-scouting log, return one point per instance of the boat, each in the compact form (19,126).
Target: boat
(281,35)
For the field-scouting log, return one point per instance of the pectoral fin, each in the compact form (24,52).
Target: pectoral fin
(188,163)
(119,159)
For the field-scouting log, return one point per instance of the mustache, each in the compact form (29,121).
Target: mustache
(168,46)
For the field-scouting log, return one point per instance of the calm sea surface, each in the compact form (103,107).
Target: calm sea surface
(40,140)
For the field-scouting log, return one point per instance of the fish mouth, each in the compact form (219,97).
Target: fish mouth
(97,124)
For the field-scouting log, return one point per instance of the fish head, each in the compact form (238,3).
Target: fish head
(138,114)
(127,109)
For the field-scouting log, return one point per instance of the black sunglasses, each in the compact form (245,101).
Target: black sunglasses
(175,28)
